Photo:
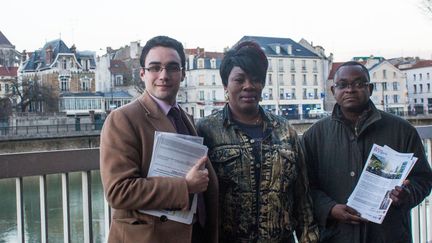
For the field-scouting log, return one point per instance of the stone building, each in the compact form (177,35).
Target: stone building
(63,70)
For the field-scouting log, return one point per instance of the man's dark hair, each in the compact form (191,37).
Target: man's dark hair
(247,55)
(354,63)
(164,41)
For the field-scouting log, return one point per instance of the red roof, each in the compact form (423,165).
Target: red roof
(420,64)
(199,52)
(8,71)
(117,66)
(335,66)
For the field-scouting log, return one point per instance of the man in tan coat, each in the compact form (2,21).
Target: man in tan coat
(126,150)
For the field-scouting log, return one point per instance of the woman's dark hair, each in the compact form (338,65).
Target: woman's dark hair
(164,41)
(247,55)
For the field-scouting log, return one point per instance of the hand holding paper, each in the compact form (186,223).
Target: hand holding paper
(197,179)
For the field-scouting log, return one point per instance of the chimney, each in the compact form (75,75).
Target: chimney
(73,48)
(48,55)
(24,56)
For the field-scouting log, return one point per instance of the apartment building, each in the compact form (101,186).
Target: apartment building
(201,92)
(418,79)
(296,76)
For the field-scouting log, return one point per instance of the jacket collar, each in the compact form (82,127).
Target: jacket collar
(268,119)
(369,116)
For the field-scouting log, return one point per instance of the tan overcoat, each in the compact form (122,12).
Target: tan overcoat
(125,154)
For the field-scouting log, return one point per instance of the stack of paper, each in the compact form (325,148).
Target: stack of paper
(385,168)
(173,156)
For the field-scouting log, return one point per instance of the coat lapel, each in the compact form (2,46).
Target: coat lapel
(155,115)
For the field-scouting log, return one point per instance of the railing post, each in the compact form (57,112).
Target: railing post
(65,201)
(43,208)
(107,215)
(87,213)
(20,209)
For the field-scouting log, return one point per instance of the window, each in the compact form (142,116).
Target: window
(280,79)
(395,86)
(85,84)
(427,76)
(281,94)
(201,80)
(0,87)
(270,68)
(270,93)
(118,80)
(414,76)
(193,111)
(303,65)
(292,65)
(384,86)
(415,100)
(213,79)
(293,79)
(293,95)
(394,74)
(315,93)
(315,79)
(280,65)
(315,66)
(304,79)
(270,81)
(64,83)
(201,95)
(200,63)
(395,98)
(428,88)
(421,88)
(213,63)
(304,94)
(201,112)
(64,64)
(213,94)
(420,77)
(384,74)
(415,89)
(6,88)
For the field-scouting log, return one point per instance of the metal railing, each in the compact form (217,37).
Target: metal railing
(41,164)
(49,129)
(64,162)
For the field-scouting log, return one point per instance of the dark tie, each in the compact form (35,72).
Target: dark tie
(181,128)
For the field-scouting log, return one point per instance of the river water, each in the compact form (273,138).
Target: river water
(8,227)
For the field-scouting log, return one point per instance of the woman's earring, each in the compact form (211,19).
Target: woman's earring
(226,96)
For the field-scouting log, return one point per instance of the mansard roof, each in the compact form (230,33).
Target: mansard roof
(117,67)
(4,41)
(37,60)
(419,64)
(271,44)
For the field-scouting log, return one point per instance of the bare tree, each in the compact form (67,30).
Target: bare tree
(34,97)
(426,7)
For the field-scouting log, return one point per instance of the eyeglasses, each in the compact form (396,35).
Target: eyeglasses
(170,68)
(353,85)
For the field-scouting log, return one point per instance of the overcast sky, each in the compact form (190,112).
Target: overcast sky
(346,28)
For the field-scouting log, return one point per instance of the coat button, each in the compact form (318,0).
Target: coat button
(352,173)
(163,218)
(252,141)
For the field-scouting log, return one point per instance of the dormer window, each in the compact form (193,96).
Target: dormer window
(213,63)
(200,63)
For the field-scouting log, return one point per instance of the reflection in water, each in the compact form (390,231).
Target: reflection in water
(8,227)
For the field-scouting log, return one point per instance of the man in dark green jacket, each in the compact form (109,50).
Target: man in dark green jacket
(336,149)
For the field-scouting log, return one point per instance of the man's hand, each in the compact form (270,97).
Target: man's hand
(197,178)
(400,194)
(345,214)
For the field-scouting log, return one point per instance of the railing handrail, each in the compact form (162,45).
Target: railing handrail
(48,162)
